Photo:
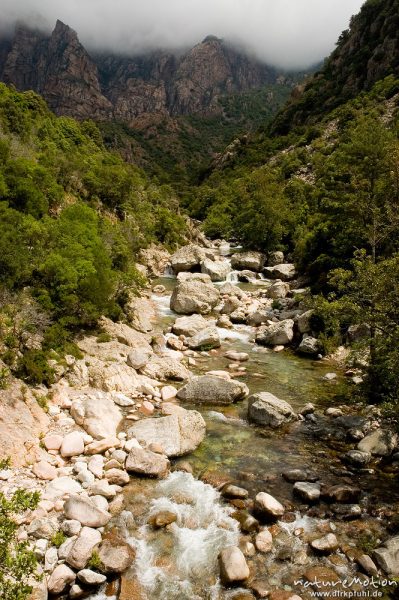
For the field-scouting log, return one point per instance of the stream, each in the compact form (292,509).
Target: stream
(180,562)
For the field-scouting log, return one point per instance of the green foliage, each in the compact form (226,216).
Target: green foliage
(34,367)
(4,376)
(94,561)
(58,539)
(17,562)
(103,338)
(5,463)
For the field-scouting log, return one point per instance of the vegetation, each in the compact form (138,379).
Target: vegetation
(78,215)
(17,562)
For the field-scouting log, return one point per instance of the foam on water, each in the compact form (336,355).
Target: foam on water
(203,527)
(163,304)
(218,416)
(239,332)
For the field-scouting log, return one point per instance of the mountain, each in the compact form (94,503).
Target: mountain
(367,52)
(106,87)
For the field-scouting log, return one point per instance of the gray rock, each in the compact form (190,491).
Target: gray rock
(266,409)
(309,346)
(187,257)
(387,557)
(278,289)
(326,544)
(89,577)
(253,261)
(275,258)
(233,491)
(71,527)
(138,358)
(116,555)
(267,506)
(379,443)
(60,579)
(164,368)
(208,338)
(309,492)
(285,272)
(276,334)
(189,326)
(357,458)
(210,389)
(304,322)
(145,462)
(83,547)
(83,510)
(98,414)
(217,271)
(42,528)
(233,566)
(194,296)
(178,433)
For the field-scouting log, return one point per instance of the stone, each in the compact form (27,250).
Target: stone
(117,477)
(367,564)
(163,368)
(266,409)
(189,326)
(162,519)
(193,296)
(102,488)
(168,392)
(237,356)
(43,470)
(83,510)
(96,465)
(61,486)
(139,357)
(357,458)
(309,346)
(381,442)
(233,491)
(89,577)
(233,566)
(71,527)
(267,506)
(264,541)
(115,554)
(285,272)
(208,389)
(60,579)
(145,462)
(207,338)
(253,261)
(309,492)
(83,547)
(98,414)
(147,408)
(278,290)
(50,559)
(304,322)
(217,270)
(101,446)
(294,475)
(72,444)
(52,441)
(387,556)
(276,334)
(122,400)
(178,433)
(100,502)
(341,493)
(42,528)
(326,544)
(186,258)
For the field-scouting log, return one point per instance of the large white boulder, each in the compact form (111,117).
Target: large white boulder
(194,296)
(266,409)
(210,389)
(97,413)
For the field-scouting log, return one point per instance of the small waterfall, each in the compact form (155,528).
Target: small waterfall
(232,277)
(169,272)
(181,562)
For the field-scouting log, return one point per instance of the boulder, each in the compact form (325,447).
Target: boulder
(194,296)
(276,334)
(309,346)
(165,367)
(278,289)
(117,477)
(306,491)
(83,547)
(285,272)
(253,261)
(43,470)
(209,389)
(138,357)
(381,442)
(217,271)
(189,326)
(141,313)
(357,458)
(264,541)
(42,528)
(343,494)
(237,356)
(61,486)
(85,511)
(178,434)
(207,338)
(162,519)
(387,556)
(275,258)
(267,506)
(124,334)
(233,566)
(326,544)
(115,554)
(304,322)
(145,462)
(266,409)
(100,446)
(187,258)
(72,444)
(97,413)
(89,577)
(60,579)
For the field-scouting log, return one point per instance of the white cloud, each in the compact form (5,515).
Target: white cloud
(287,33)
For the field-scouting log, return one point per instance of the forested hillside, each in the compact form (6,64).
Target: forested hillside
(73,217)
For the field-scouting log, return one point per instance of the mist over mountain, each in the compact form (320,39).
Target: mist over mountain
(286,33)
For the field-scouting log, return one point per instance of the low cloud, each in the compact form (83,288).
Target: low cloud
(286,33)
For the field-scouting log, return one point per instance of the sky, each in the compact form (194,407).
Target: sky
(285,33)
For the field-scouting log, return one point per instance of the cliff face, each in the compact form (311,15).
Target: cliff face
(366,53)
(124,88)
